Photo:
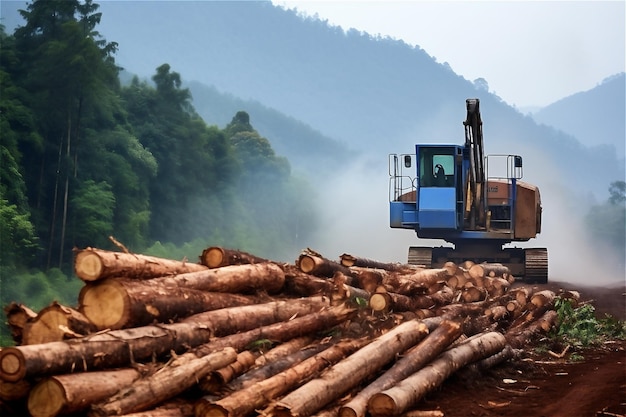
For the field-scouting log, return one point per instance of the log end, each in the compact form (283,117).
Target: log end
(105,304)
(46,399)
(213,257)
(12,364)
(88,265)
(381,404)
(207,408)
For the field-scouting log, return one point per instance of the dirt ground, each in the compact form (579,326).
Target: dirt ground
(539,384)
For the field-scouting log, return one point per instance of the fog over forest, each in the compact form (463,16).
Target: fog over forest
(353,99)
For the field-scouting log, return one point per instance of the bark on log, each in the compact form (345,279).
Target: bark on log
(234,279)
(215,380)
(409,391)
(304,285)
(410,362)
(167,383)
(350,372)
(72,393)
(417,282)
(17,317)
(122,303)
(489,270)
(348,261)
(172,408)
(216,256)
(56,322)
(118,347)
(93,264)
(246,400)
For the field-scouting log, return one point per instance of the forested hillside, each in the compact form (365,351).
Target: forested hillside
(84,158)
(596,117)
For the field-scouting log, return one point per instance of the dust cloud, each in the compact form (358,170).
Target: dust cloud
(355,220)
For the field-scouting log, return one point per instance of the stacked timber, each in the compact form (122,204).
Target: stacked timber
(239,335)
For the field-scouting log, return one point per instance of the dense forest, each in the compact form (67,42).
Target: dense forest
(85,159)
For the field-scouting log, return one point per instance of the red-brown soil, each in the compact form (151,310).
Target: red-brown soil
(539,384)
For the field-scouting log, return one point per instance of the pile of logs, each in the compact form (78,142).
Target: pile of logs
(238,335)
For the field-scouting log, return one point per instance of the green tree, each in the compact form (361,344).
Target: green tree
(67,72)
(606,222)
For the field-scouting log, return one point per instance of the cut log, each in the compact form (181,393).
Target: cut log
(13,391)
(216,380)
(301,284)
(118,347)
(216,256)
(56,322)
(282,331)
(410,362)
(386,301)
(482,270)
(520,335)
(348,260)
(172,408)
(411,390)
(370,279)
(542,298)
(93,264)
(122,303)
(265,366)
(17,317)
(418,282)
(350,372)
(245,401)
(72,393)
(313,263)
(234,279)
(167,383)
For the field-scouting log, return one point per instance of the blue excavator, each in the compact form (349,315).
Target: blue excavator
(476,203)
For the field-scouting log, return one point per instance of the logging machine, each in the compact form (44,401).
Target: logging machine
(474,202)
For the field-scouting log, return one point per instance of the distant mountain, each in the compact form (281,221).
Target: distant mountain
(595,117)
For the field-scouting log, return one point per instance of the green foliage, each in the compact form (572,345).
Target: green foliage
(18,242)
(579,326)
(93,206)
(606,222)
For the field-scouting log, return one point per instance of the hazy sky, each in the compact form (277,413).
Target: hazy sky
(531,53)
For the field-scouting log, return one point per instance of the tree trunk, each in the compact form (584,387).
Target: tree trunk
(409,391)
(12,391)
(119,347)
(245,401)
(410,362)
(350,372)
(122,303)
(165,384)
(93,264)
(71,393)
(215,257)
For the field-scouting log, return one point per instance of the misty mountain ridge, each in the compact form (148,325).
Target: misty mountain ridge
(596,117)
